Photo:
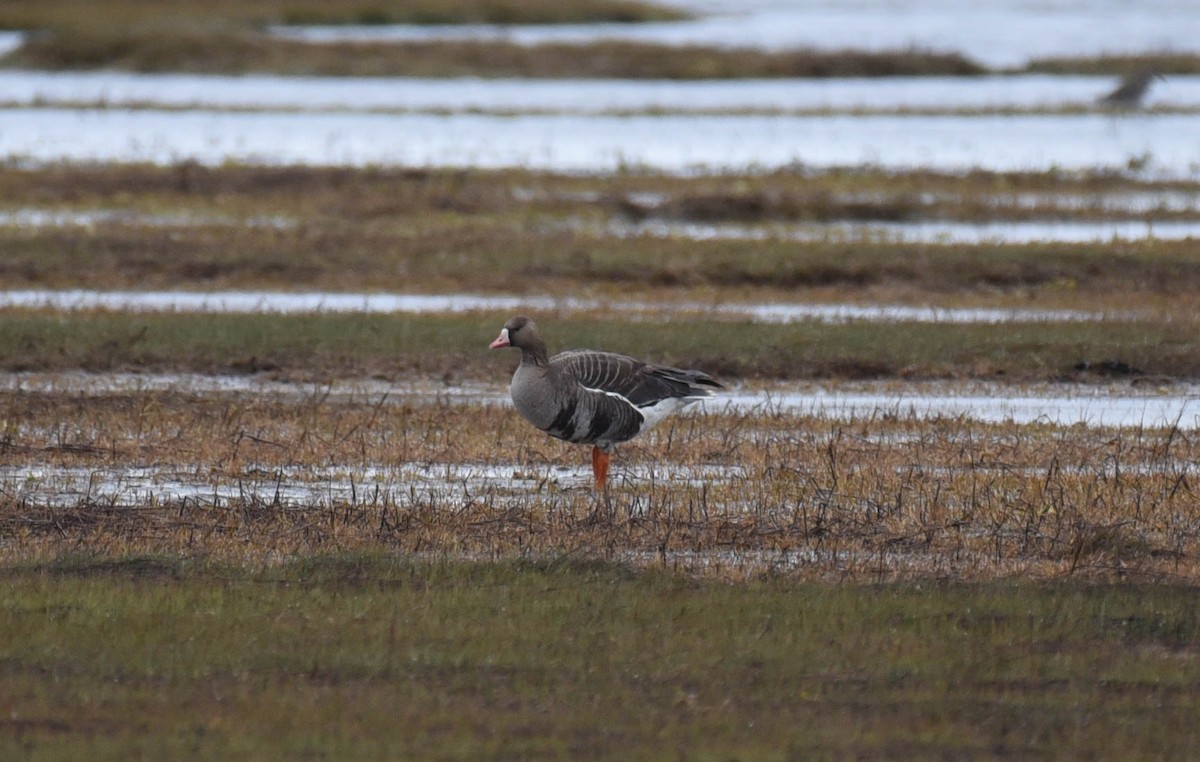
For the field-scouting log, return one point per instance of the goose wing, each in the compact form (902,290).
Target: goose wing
(642,384)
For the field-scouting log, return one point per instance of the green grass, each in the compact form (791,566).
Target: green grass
(456,346)
(340,657)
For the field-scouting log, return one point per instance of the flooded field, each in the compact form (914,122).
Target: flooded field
(1117,405)
(922,95)
(997,32)
(264,493)
(923,232)
(1158,144)
(760,210)
(967,467)
(274,302)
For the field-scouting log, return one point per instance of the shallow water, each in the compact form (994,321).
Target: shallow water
(100,384)
(107,89)
(994,32)
(10,41)
(32,217)
(1159,145)
(917,231)
(932,231)
(449,483)
(323,301)
(1060,405)
(1133,203)
(1115,405)
(929,231)
(315,487)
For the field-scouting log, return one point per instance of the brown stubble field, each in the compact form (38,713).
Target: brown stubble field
(733,495)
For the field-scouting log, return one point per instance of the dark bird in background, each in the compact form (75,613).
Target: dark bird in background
(597,398)
(1131,91)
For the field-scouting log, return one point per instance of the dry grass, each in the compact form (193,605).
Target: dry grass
(380,195)
(114,16)
(1165,63)
(249,52)
(191,227)
(782,194)
(496,256)
(226,37)
(339,229)
(736,496)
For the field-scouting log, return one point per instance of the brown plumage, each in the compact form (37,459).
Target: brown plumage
(597,398)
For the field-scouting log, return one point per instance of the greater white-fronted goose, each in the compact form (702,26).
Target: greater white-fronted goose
(596,398)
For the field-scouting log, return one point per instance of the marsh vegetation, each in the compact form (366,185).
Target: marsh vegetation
(236,38)
(300,556)
(731,493)
(356,574)
(513,232)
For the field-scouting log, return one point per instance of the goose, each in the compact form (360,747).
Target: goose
(597,398)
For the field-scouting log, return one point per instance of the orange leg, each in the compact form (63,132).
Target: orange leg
(600,467)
